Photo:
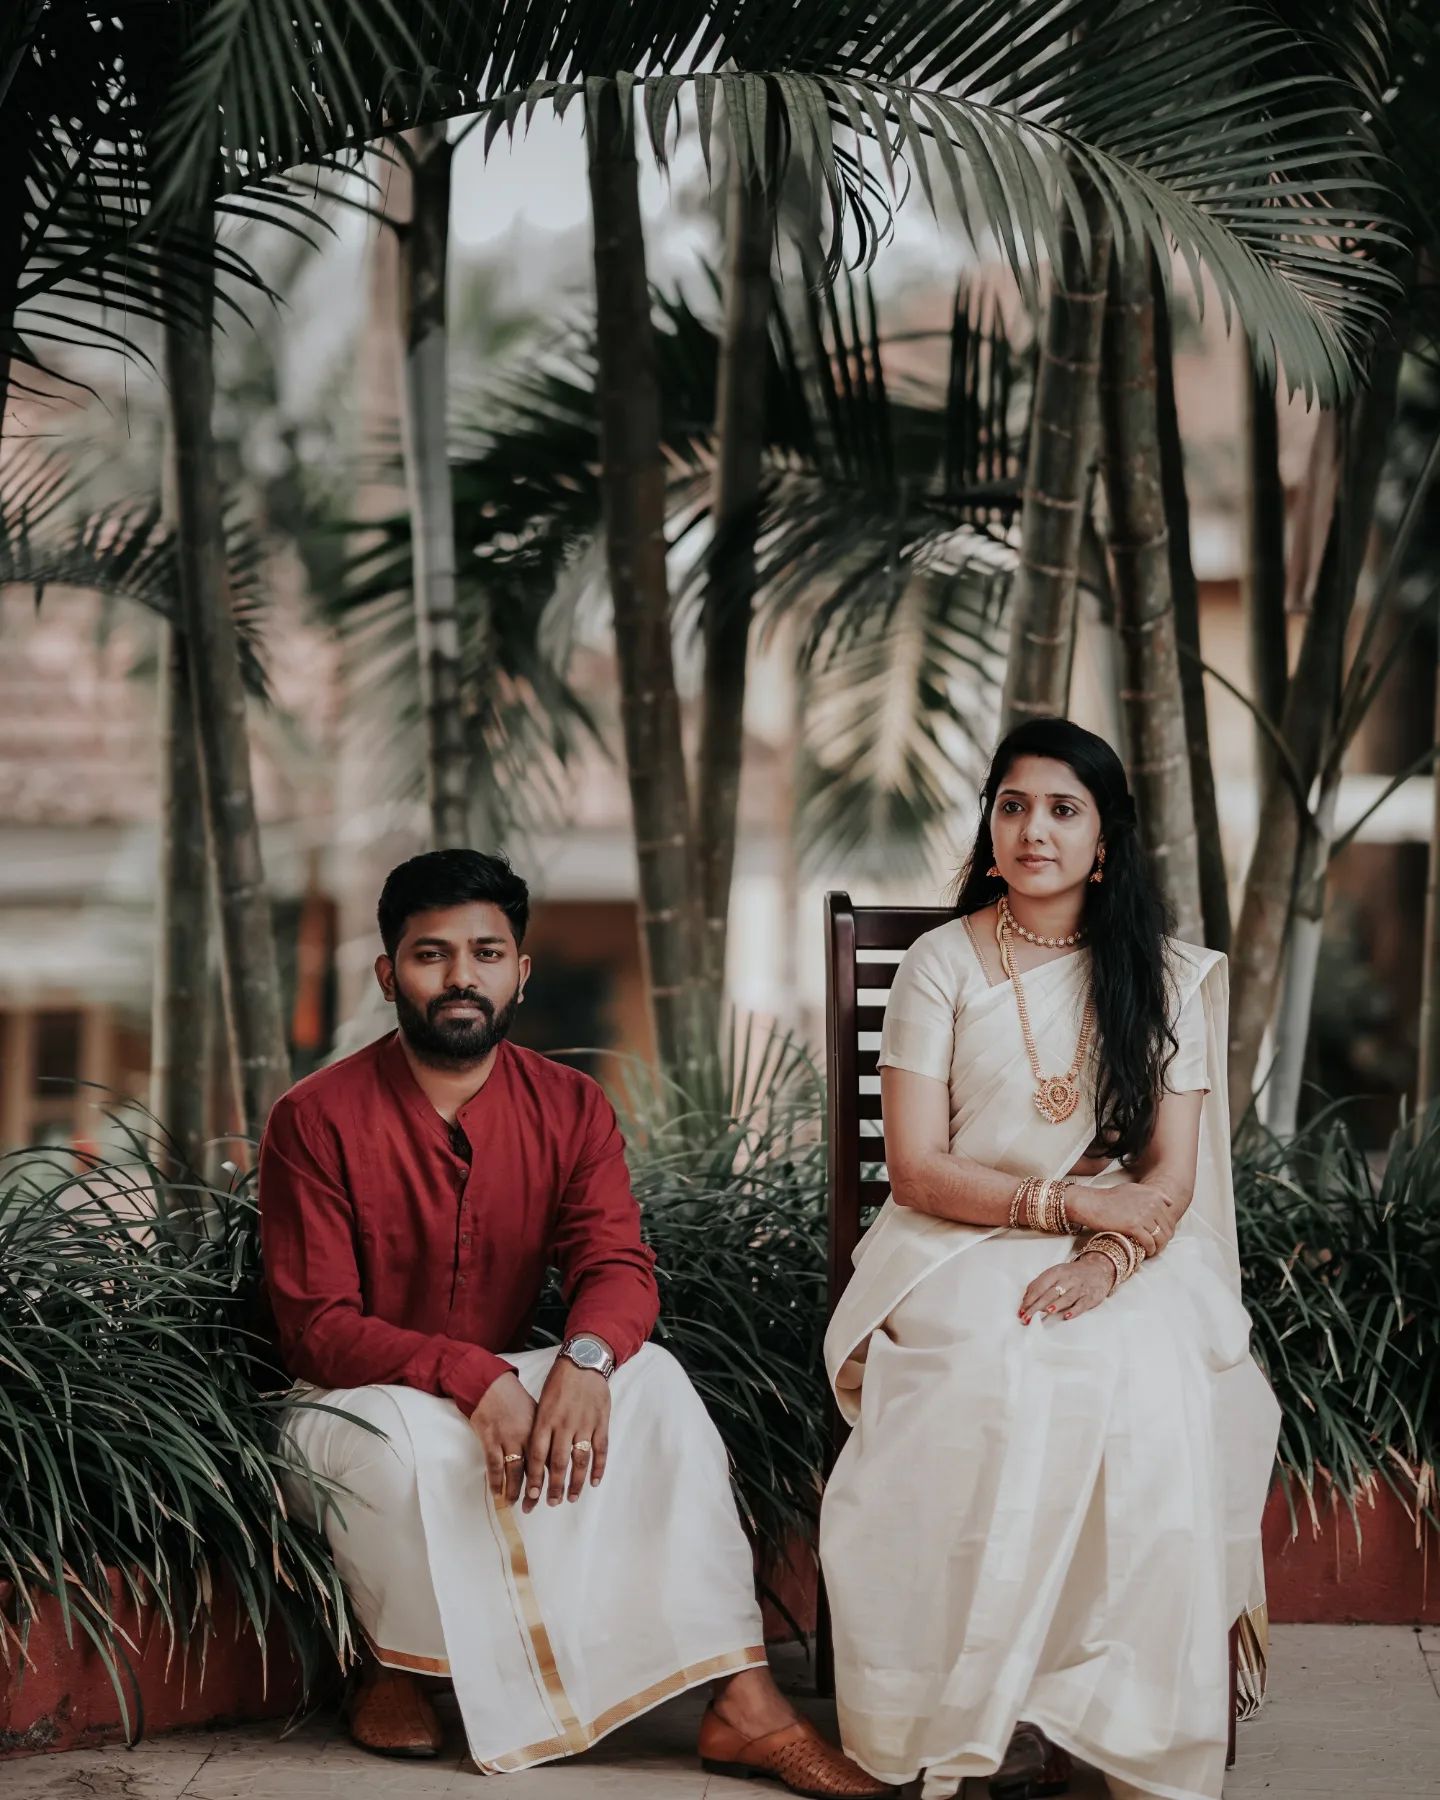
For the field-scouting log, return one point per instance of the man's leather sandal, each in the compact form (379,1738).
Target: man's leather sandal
(796,1755)
(390,1715)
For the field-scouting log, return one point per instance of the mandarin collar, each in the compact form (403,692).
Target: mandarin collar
(397,1070)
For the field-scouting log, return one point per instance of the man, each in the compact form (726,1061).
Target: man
(552,1530)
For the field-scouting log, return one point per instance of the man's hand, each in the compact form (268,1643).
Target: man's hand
(574,1411)
(1135,1209)
(504,1422)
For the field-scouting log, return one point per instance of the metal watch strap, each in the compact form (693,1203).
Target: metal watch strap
(605,1367)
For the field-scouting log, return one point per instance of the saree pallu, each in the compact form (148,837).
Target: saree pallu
(1057,1522)
(555,1626)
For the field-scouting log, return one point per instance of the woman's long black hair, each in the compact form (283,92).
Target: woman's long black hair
(1126,923)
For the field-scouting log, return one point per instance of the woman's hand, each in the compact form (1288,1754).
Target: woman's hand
(1069,1288)
(1134,1208)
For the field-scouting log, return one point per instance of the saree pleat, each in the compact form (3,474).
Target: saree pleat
(1057,1522)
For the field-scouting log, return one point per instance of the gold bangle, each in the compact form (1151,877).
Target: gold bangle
(1039,1205)
(1109,1254)
(1130,1252)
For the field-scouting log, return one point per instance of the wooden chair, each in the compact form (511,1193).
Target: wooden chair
(863,947)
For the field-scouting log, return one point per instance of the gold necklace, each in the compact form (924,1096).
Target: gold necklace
(1033,937)
(1056,1096)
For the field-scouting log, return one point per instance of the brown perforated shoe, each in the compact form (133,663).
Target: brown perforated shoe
(796,1755)
(390,1715)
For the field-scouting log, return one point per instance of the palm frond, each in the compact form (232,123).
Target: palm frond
(899,710)
(524,721)
(82,263)
(1173,109)
(124,551)
(874,474)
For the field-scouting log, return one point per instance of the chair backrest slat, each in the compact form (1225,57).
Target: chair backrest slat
(893,927)
(861,943)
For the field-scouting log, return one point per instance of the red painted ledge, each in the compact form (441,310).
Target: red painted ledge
(1374,1568)
(61,1697)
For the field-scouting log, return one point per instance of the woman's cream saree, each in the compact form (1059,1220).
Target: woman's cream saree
(1057,1522)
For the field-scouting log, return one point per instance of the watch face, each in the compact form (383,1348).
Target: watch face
(588,1353)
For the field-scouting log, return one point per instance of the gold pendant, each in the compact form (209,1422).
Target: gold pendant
(1056,1098)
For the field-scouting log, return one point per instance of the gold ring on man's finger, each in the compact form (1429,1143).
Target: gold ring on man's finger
(515,1456)
(581,1447)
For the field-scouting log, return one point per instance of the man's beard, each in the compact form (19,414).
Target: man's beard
(436,1039)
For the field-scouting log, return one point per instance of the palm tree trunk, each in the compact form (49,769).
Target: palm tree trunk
(734,511)
(1427,1088)
(633,490)
(1264,578)
(180,1006)
(1057,476)
(1185,593)
(1150,698)
(424,386)
(1302,963)
(1307,720)
(253,1011)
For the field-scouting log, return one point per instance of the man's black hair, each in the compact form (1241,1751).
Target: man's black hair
(450,878)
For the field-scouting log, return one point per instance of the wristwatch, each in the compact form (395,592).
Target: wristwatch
(589,1352)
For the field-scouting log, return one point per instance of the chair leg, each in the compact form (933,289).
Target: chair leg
(824,1643)
(1234,1694)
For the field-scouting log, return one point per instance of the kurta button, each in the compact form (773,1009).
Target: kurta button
(462,1281)
(464,1237)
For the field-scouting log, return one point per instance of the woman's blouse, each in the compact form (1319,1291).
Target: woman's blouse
(941,973)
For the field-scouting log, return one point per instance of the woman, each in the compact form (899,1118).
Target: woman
(1047,1516)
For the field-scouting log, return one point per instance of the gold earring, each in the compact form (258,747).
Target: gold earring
(1099,870)
(993,869)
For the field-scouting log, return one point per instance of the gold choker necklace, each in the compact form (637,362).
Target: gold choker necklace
(1034,937)
(1056,1096)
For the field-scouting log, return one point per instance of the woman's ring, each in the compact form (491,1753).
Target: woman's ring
(1060,1290)
(515,1456)
(581,1446)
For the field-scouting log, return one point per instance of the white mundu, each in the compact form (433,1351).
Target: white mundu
(558,1625)
(1056,1522)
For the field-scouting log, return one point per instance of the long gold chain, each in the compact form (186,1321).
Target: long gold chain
(1056,1096)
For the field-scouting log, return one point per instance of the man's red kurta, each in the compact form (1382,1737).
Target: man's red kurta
(392,1257)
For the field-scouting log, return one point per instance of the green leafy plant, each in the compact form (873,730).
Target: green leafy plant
(138,1415)
(1342,1281)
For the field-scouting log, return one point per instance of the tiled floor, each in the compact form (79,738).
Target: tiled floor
(1354,1715)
